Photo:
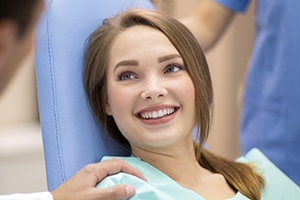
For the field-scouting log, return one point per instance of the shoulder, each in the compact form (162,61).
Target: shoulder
(157,186)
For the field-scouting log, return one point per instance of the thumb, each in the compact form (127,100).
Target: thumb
(116,192)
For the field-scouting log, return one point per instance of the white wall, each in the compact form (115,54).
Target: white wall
(22,167)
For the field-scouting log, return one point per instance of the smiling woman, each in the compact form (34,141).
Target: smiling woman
(148,83)
(146,86)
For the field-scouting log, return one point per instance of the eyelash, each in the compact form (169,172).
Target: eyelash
(179,66)
(121,75)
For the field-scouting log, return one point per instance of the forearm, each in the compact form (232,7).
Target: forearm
(208,22)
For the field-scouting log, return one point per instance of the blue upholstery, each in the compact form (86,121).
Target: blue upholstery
(71,136)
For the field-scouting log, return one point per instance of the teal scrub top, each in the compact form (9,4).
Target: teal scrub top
(160,186)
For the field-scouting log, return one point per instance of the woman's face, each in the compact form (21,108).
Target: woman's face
(150,94)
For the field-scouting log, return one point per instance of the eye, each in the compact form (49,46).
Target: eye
(173,68)
(127,75)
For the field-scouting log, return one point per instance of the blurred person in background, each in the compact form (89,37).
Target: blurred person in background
(271,101)
(18,19)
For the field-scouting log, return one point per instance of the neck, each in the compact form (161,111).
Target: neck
(177,163)
(180,164)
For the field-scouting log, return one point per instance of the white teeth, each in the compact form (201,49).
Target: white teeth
(160,113)
(157,114)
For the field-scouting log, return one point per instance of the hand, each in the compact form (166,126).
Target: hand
(82,185)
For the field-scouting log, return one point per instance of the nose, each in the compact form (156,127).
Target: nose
(154,91)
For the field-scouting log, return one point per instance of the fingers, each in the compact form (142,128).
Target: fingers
(109,167)
(122,166)
(116,192)
(83,183)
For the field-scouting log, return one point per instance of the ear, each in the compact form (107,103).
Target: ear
(108,109)
(7,36)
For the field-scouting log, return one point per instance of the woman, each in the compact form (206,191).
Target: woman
(148,83)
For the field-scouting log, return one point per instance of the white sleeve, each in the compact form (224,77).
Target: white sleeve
(33,196)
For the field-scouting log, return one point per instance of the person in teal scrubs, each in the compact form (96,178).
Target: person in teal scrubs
(271,101)
(148,83)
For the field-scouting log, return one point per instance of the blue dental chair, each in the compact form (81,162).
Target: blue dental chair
(71,136)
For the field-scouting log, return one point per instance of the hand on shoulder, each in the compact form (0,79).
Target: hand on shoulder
(82,184)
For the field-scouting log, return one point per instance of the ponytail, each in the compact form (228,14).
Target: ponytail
(239,176)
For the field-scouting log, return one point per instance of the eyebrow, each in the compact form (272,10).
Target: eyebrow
(136,63)
(126,63)
(168,57)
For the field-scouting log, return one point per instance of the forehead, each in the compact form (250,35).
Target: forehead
(141,40)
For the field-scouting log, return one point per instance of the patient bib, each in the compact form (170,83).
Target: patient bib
(158,185)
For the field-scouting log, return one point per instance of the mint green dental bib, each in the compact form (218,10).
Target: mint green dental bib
(160,186)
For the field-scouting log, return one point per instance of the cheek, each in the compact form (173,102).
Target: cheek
(119,100)
(26,48)
(190,89)
(188,98)
(190,94)
(187,90)
(121,105)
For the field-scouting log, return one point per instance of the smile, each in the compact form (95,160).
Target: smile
(157,114)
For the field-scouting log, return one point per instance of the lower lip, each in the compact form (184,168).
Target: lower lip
(159,121)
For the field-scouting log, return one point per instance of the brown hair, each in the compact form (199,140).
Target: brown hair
(240,176)
(19,11)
